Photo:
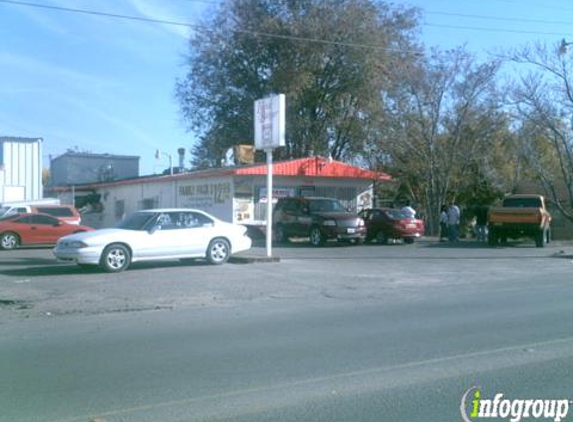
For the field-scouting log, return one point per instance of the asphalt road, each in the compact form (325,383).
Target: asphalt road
(369,333)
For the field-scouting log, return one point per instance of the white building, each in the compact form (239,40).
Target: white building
(20,169)
(234,194)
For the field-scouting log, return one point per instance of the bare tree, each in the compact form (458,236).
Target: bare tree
(442,126)
(544,101)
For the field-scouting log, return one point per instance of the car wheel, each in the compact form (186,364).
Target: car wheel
(381,238)
(409,240)
(218,251)
(316,237)
(9,241)
(115,258)
(280,234)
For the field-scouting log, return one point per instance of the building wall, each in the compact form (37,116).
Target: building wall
(21,169)
(239,199)
(77,168)
(212,195)
(250,193)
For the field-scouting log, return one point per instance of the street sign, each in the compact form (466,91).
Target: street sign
(270,122)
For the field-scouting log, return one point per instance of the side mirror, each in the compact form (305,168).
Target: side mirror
(153,229)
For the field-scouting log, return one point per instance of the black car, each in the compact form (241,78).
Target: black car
(320,219)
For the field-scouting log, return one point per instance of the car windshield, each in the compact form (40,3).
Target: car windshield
(522,202)
(136,221)
(325,205)
(396,214)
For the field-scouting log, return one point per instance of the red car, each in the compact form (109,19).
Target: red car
(387,223)
(34,229)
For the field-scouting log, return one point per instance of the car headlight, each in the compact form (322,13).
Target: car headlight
(75,244)
(329,223)
(360,222)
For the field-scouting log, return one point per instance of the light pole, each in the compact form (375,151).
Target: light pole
(563,46)
(158,154)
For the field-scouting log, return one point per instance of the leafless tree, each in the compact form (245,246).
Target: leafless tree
(543,99)
(443,122)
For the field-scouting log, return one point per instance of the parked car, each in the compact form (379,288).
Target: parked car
(387,223)
(67,213)
(318,218)
(34,229)
(154,235)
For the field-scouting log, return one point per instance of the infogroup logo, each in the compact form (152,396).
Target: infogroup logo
(474,407)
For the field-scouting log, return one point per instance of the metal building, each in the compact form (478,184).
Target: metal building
(20,169)
(74,168)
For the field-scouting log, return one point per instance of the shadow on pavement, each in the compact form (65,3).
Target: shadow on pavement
(28,261)
(59,268)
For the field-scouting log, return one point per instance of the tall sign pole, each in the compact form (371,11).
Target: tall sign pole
(270,134)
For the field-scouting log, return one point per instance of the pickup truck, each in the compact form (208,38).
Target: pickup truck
(520,216)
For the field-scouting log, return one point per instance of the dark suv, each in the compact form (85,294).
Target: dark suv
(318,218)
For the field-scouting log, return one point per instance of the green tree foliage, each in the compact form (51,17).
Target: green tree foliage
(333,59)
(442,131)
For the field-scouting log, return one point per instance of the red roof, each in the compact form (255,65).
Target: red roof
(314,167)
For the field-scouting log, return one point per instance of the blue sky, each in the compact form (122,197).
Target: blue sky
(106,85)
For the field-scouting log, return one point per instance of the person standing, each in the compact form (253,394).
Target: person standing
(453,222)
(481,223)
(409,211)
(443,223)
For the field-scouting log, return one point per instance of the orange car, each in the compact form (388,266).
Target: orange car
(34,229)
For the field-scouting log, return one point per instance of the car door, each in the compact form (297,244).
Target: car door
(22,227)
(289,217)
(177,234)
(196,231)
(303,218)
(160,240)
(379,222)
(46,229)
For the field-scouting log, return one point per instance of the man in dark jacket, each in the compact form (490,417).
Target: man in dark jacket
(481,223)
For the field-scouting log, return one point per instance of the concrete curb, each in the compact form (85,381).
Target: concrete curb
(253,259)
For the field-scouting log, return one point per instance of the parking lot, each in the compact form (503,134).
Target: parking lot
(35,285)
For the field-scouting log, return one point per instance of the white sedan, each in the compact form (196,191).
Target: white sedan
(154,235)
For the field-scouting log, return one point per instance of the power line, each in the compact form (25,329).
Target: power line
(498,18)
(484,29)
(194,26)
(541,5)
(272,35)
